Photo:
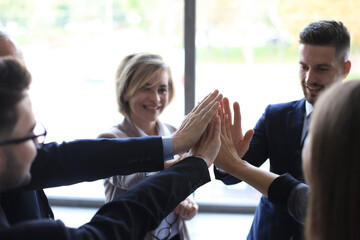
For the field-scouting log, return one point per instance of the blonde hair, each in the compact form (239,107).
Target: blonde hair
(134,72)
(334,208)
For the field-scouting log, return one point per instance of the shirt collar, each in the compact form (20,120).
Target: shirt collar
(308,108)
(160,127)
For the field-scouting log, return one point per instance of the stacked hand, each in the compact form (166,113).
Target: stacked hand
(195,123)
(233,144)
(209,144)
(241,142)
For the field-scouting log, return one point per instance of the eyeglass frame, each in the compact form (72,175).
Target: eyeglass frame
(24,139)
(164,228)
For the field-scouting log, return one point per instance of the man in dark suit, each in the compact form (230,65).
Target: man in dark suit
(323,58)
(127,217)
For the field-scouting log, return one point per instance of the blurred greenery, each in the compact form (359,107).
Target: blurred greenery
(226,28)
(265,54)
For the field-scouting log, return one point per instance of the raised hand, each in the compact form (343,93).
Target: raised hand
(195,123)
(228,158)
(229,161)
(240,141)
(209,144)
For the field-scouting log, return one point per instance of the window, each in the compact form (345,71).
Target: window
(247,49)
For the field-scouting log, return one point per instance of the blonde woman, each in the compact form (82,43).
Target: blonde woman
(144,88)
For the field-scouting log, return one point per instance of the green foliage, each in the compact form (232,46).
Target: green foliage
(10,10)
(266,54)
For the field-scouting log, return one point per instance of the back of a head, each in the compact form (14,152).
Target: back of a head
(327,33)
(8,47)
(335,164)
(14,80)
(3,36)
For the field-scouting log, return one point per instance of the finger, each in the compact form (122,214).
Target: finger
(208,112)
(206,106)
(237,117)
(227,127)
(248,136)
(227,108)
(217,127)
(222,122)
(214,96)
(222,107)
(219,111)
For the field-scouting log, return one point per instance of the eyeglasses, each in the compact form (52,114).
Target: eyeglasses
(165,232)
(38,137)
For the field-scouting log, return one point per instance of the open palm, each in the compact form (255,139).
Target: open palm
(240,141)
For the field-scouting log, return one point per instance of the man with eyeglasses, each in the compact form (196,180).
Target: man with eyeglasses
(38,138)
(135,212)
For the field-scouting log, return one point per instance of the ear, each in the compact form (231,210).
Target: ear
(125,97)
(347,67)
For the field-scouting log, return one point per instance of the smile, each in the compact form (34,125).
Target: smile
(314,88)
(152,108)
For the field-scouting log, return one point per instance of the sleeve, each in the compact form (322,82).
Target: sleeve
(126,182)
(257,153)
(288,192)
(298,202)
(131,215)
(89,160)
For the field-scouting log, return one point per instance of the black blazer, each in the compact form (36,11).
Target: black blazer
(78,161)
(131,215)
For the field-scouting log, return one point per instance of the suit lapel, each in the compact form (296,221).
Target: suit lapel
(3,220)
(295,121)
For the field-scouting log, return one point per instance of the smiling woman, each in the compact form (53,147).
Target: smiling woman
(144,87)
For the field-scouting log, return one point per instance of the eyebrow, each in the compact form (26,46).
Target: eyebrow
(317,65)
(162,85)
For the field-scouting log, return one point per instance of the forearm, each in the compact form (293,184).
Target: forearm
(154,198)
(131,215)
(255,177)
(88,160)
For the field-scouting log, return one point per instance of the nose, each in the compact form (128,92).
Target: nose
(310,76)
(155,97)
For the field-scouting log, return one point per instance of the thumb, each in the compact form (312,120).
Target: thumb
(248,136)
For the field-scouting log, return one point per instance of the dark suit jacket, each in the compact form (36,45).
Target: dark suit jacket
(78,161)
(131,215)
(277,138)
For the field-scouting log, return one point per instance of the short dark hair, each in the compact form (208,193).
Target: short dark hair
(327,33)
(14,79)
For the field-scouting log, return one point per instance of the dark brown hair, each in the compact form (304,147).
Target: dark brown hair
(335,164)
(14,79)
(328,33)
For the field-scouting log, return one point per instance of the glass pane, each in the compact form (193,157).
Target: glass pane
(248,50)
(73,48)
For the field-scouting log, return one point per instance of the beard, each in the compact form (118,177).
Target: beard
(14,174)
(311,98)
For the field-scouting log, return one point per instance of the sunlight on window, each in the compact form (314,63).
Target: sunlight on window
(246,49)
